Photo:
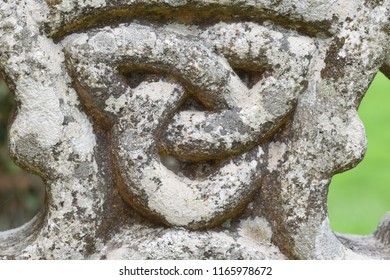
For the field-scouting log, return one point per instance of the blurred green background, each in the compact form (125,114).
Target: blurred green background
(21,194)
(358,199)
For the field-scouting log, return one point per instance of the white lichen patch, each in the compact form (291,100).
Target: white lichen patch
(186,30)
(301,46)
(257,229)
(356,137)
(40,114)
(352,37)
(277,151)
(114,105)
(82,136)
(68,6)
(104,43)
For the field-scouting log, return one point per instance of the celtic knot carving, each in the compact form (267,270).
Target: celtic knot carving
(237,117)
(189,129)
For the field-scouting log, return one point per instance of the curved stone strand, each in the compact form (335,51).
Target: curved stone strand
(206,135)
(100,55)
(159,193)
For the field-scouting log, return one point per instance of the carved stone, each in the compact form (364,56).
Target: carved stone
(190,129)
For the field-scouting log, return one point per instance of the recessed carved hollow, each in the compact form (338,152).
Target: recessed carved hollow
(249,77)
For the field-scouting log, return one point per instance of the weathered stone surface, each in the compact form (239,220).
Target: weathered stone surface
(189,129)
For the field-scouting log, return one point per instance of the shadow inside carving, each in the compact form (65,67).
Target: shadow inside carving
(248,77)
(185,14)
(358,199)
(135,77)
(22,194)
(188,168)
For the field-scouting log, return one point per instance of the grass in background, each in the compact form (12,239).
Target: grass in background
(359,198)
(21,194)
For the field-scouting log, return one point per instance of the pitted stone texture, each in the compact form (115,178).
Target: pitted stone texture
(139,114)
(226,116)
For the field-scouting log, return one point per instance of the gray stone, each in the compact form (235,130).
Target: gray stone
(190,129)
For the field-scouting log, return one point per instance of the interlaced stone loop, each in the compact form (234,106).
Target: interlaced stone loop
(242,117)
(258,110)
